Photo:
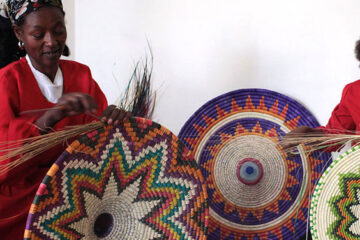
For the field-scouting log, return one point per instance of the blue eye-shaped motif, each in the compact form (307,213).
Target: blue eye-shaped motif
(250,171)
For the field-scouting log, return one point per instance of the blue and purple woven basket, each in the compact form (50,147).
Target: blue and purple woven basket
(255,190)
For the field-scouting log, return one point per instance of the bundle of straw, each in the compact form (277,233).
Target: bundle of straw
(26,149)
(317,140)
(137,99)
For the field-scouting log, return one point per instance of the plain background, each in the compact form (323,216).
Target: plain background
(300,48)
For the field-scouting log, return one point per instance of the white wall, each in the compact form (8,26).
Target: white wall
(301,48)
(69,8)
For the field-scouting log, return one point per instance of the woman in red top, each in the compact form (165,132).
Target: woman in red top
(40,80)
(344,118)
(346,115)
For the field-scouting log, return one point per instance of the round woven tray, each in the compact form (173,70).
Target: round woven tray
(335,206)
(255,190)
(130,181)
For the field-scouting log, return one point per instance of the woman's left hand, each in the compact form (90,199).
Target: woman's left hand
(114,115)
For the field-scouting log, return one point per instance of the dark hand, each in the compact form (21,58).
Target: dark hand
(114,115)
(294,133)
(70,104)
(75,103)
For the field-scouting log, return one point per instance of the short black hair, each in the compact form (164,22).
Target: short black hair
(357,49)
(9,50)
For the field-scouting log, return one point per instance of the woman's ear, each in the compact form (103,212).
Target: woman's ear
(18,32)
(66,51)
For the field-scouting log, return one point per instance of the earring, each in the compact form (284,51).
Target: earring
(21,45)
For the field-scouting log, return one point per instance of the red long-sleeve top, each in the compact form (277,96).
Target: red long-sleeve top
(346,115)
(19,91)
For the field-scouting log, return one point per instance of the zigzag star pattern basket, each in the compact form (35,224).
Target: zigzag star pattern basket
(255,190)
(335,206)
(130,181)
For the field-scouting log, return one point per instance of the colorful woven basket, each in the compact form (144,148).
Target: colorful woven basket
(130,181)
(255,190)
(335,206)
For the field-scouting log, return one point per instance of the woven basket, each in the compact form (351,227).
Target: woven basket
(130,181)
(255,190)
(335,206)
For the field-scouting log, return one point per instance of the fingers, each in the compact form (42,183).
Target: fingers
(107,112)
(114,115)
(76,103)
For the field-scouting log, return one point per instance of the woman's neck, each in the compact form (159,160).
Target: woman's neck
(50,72)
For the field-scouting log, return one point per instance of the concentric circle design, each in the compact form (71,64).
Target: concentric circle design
(130,181)
(255,190)
(232,188)
(335,206)
(249,171)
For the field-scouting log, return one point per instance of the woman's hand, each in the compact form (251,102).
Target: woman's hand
(294,133)
(70,104)
(114,115)
(75,103)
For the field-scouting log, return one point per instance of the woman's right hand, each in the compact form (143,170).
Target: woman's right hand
(294,133)
(70,104)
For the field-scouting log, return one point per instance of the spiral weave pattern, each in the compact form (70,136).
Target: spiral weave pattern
(335,206)
(255,190)
(131,181)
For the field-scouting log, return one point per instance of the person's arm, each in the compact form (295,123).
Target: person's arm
(296,132)
(13,126)
(341,121)
(342,117)
(70,104)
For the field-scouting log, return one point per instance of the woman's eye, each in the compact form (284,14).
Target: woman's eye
(37,36)
(59,32)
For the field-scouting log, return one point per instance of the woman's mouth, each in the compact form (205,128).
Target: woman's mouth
(52,53)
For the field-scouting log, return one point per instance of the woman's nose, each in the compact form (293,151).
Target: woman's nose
(49,39)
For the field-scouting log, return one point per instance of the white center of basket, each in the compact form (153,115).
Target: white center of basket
(124,209)
(274,171)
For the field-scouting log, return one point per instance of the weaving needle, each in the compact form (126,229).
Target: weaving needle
(42,110)
(61,107)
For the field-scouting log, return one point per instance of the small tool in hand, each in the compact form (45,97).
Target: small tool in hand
(60,107)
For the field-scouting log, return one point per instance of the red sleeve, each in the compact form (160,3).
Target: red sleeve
(342,117)
(12,126)
(345,116)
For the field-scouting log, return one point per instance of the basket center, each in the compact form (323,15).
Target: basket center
(103,225)
(249,171)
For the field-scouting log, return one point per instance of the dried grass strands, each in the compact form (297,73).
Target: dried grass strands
(138,98)
(26,149)
(315,141)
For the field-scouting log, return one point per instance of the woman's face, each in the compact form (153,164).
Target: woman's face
(43,34)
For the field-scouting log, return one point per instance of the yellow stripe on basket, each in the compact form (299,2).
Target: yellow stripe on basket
(73,146)
(33,208)
(53,170)
(27,234)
